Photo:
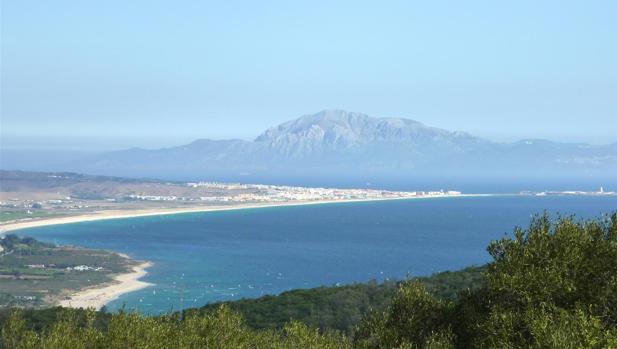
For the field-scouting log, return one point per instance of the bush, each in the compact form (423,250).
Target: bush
(415,318)
(220,329)
(553,285)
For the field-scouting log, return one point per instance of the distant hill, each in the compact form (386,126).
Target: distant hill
(335,142)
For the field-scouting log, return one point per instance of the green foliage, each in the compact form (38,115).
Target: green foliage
(553,285)
(448,285)
(324,307)
(220,329)
(565,264)
(327,308)
(414,319)
(343,307)
(11,242)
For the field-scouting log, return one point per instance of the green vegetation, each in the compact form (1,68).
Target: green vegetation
(553,285)
(33,273)
(13,215)
(340,308)
(220,329)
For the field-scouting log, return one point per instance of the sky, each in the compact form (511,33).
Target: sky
(115,74)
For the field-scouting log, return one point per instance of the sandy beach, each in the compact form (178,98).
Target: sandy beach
(96,297)
(118,214)
(99,296)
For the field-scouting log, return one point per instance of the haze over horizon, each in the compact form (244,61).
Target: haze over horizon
(147,74)
(95,143)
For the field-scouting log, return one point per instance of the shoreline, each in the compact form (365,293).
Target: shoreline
(97,296)
(120,214)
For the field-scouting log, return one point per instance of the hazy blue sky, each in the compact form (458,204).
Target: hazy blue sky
(154,73)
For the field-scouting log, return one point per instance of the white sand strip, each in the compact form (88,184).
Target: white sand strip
(99,296)
(117,214)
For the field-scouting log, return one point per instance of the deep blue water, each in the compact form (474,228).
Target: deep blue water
(205,257)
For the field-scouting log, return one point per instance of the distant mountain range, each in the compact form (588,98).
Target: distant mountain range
(336,142)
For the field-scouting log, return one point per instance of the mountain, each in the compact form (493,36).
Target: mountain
(336,142)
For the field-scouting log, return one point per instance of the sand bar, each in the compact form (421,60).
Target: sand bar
(118,214)
(99,296)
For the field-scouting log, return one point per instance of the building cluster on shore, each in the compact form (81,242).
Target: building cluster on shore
(233,193)
(43,205)
(278,193)
(600,192)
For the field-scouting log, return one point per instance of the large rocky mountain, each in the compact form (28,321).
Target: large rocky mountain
(339,142)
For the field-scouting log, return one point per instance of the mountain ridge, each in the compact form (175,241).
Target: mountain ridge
(338,141)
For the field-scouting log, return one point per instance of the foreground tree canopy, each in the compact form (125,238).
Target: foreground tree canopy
(553,285)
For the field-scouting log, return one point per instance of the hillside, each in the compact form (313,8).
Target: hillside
(548,286)
(341,308)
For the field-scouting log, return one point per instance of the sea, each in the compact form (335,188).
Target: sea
(207,257)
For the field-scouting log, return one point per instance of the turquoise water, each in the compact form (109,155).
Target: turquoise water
(205,257)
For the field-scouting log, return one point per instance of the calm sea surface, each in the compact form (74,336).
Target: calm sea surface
(205,257)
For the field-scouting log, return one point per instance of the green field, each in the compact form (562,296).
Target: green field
(33,273)
(7,216)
